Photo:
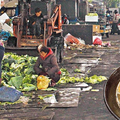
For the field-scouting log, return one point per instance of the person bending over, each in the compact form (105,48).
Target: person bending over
(49,64)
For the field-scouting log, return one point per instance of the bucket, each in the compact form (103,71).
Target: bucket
(111,93)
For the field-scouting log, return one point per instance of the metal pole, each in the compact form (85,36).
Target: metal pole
(44,42)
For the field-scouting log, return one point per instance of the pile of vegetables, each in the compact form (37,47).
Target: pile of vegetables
(65,78)
(92,14)
(18,71)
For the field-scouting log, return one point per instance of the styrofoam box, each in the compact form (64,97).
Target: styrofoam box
(91,18)
(94,37)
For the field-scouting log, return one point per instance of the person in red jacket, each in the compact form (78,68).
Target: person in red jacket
(48,62)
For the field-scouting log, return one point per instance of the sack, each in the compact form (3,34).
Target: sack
(8,94)
(42,82)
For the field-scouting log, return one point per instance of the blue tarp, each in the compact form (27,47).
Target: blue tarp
(8,94)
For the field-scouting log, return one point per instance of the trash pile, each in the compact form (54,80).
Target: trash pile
(72,42)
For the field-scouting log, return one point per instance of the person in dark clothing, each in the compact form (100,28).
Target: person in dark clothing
(49,64)
(36,23)
(2,8)
(65,19)
(2,49)
(108,12)
(116,18)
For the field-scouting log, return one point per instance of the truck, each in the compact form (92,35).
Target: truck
(23,42)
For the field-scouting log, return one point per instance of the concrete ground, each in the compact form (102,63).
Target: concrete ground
(91,106)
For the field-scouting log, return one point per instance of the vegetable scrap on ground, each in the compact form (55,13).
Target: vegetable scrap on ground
(18,72)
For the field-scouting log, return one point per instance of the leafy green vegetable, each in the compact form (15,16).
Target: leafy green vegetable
(18,70)
(16,81)
(95,79)
(77,70)
(28,87)
(46,96)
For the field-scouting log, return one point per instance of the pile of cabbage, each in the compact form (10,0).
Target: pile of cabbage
(17,71)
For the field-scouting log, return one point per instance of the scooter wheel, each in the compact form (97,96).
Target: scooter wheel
(107,35)
(102,34)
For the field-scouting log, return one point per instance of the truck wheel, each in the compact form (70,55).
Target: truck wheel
(102,34)
(12,42)
(118,32)
(107,35)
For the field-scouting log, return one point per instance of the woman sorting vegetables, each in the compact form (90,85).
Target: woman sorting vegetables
(2,49)
(46,64)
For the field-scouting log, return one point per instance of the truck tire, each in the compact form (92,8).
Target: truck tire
(107,35)
(102,34)
(12,42)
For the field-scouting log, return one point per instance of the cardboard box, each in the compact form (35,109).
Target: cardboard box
(96,28)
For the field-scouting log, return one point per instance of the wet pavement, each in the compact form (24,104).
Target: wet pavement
(90,104)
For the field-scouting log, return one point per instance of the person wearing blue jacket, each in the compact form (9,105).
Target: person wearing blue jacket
(2,49)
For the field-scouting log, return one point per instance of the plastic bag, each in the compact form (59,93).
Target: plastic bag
(50,99)
(42,82)
(97,41)
(71,39)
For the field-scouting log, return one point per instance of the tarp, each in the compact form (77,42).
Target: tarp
(8,94)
